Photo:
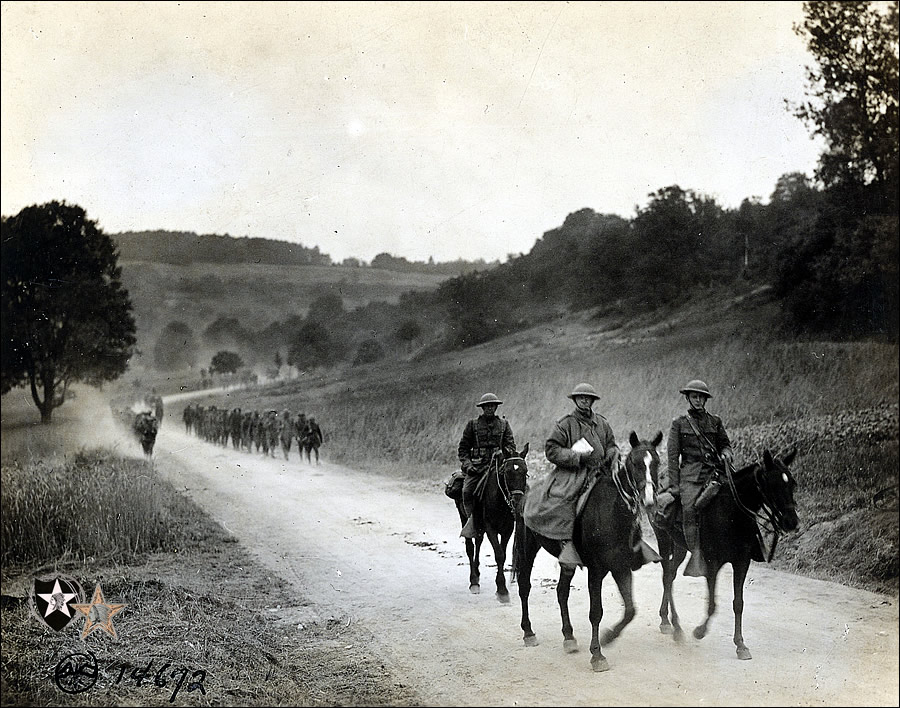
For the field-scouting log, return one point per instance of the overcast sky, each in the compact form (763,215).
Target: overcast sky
(419,129)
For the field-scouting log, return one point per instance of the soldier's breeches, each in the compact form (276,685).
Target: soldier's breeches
(690,490)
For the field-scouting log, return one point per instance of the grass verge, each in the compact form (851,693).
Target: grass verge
(196,602)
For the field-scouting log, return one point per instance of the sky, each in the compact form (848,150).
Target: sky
(425,130)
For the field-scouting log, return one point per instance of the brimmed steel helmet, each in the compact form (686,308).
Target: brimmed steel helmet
(696,386)
(584,389)
(488,398)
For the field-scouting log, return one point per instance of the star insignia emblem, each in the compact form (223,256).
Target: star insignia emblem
(98,614)
(53,600)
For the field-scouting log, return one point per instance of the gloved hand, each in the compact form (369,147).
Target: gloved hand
(664,499)
(727,456)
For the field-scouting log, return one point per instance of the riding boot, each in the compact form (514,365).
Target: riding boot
(641,551)
(470,530)
(696,567)
(568,555)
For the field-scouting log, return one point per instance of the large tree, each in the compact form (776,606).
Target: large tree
(854,92)
(66,315)
(839,274)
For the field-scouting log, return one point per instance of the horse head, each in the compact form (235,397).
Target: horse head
(514,479)
(642,466)
(776,486)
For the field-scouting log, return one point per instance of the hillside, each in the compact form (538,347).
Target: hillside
(255,294)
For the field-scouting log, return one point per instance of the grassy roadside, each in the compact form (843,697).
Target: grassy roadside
(195,600)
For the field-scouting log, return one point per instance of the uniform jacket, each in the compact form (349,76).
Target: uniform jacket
(690,460)
(550,504)
(480,438)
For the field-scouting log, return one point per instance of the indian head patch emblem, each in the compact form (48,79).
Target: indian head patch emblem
(53,600)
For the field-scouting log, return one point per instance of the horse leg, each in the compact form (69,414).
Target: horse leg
(740,574)
(625,581)
(670,571)
(712,572)
(566,573)
(525,563)
(474,570)
(595,589)
(498,543)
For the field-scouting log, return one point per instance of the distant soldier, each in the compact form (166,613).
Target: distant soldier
(273,430)
(235,422)
(314,439)
(145,427)
(156,403)
(286,432)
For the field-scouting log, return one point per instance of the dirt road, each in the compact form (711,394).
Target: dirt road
(387,555)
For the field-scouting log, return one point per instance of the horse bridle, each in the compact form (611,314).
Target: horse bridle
(772,518)
(631,496)
(509,495)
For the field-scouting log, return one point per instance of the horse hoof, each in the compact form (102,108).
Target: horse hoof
(531,641)
(570,646)
(665,628)
(678,635)
(599,664)
(743,653)
(607,638)
(699,632)
(475,589)
(503,598)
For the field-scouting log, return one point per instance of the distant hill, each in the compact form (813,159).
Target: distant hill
(187,247)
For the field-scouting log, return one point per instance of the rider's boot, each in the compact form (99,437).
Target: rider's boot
(696,567)
(470,529)
(568,555)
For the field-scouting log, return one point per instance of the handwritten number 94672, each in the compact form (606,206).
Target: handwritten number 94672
(141,674)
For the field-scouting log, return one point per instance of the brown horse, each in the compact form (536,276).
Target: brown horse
(504,483)
(606,532)
(729,533)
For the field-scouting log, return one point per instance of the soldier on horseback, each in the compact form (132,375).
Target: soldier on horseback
(482,438)
(582,442)
(698,448)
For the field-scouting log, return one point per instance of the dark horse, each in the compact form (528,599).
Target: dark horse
(504,481)
(729,534)
(605,536)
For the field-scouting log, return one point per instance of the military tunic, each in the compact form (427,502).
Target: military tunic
(481,437)
(550,505)
(691,462)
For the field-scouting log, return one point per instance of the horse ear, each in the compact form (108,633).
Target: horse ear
(767,458)
(525,450)
(634,439)
(657,439)
(789,457)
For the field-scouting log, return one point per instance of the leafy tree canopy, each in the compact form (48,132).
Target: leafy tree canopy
(225,362)
(66,315)
(853,87)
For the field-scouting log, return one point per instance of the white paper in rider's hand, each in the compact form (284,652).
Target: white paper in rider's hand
(582,446)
